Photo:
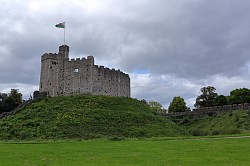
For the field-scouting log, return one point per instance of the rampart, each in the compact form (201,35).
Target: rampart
(63,76)
(212,110)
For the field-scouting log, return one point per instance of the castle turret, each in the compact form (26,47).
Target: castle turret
(61,76)
(64,50)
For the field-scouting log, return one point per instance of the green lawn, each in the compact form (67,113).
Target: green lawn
(207,151)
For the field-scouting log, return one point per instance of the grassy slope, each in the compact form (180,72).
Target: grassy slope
(143,152)
(86,117)
(223,123)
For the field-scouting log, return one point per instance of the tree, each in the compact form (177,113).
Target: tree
(144,101)
(220,100)
(156,107)
(177,105)
(3,96)
(9,102)
(16,96)
(239,96)
(207,98)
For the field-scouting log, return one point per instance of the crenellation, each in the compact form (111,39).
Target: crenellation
(49,56)
(212,110)
(63,76)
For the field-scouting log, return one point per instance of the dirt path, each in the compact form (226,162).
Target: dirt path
(226,137)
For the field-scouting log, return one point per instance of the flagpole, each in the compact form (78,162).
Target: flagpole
(64,32)
(62,25)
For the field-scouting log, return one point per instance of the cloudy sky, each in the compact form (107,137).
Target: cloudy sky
(169,47)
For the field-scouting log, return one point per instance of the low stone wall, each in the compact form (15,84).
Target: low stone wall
(4,114)
(212,110)
(245,106)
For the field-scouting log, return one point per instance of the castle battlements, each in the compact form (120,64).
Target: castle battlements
(49,56)
(61,75)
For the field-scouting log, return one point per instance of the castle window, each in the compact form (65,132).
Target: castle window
(50,67)
(76,70)
(53,63)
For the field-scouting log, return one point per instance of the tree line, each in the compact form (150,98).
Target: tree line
(207,98)
(9,101)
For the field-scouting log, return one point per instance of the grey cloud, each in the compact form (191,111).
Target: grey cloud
(191,42)
(163,88)
(204,40)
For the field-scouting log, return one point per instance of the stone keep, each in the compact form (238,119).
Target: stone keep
(62,77)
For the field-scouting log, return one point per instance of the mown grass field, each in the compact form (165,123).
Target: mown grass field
(208,151)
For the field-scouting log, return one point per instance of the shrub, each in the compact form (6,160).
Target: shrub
(115,138)
(231,131)
(198,132)
(24,135)
(185,121)
(215,132)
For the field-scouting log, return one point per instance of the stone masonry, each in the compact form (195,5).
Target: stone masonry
(211,110)
(61,76)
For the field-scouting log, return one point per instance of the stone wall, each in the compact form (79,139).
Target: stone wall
(245,106)
(63,76)
(21,106)
(213,110)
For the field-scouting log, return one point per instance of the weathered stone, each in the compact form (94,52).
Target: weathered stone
(61,76)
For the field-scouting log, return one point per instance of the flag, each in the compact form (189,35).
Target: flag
(61,25)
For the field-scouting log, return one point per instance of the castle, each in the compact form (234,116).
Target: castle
(61,76)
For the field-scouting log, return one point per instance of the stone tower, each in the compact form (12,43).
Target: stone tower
(61,76)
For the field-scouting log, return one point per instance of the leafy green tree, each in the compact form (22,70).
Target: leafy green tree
(156,107)
(177,105)
(9,102)
(17,97)
(3,96)
(144,101)
(239,96)
(207,97)
(220,100)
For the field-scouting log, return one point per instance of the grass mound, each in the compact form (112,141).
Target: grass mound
(86,117)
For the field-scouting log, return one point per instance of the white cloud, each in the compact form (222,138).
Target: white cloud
(169,48)
(25,89)
(163,88)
